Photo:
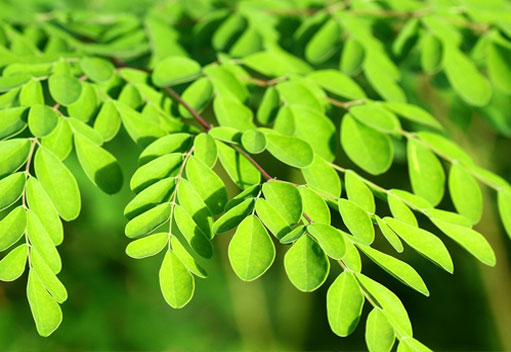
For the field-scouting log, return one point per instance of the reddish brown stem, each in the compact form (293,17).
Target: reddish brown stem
(192,111)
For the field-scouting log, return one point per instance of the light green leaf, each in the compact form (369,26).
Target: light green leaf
(176,282)
(11,189)
(400,211)
(306,264)
(225,134)
(204,149)
(147,246)
(99,165)
(238,167)
(141,130)
(193,203)
(59,184)
(423,242)
(272,219)
(344,303)
(314,206)
(409,344)
(162,167)
(426,172)
(445,146)
(391,305)
(357,221)
(150,197)
(389,235)
(321,176)
(352,56)
(269,106)
(208,185)
(64,89)
(12,121)
(294,235)
(60,141)
(337,83)
(45,310)
(233,216)
(13,154)
(13,264)
(108,121)
(324,43)
(465,193)
(295,92)
(379,333)
(12,227)
(40,203)
(41,240)
(226,84)
(498,66)
(413,113)
(230,112)
(148,221)
(31,93)
(250,192)
(253,141)
(381,80)
(397,268)
(42,120)
(85,107)
(186,258)
(175,70)
(195,237)
(366,147)
(329,238)
(358,192)
(504,203)
(290,150)
(172,143)
(285,199)
(98,70)
(13,81)
(251,250)
(47,276)
(375,116)
(197,95)
(431,53)
(228,32)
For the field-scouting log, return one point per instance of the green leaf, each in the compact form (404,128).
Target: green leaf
(369,149)
(397,268)
(60,141)
(59,184)
(253,141)
(272,219)
(409,344)
(498,66)
(13,264)
(375,116)
(324,43)
(11,189)
(12,121)
(412,199)
(12,227)
(47,276)
(230,112)
(175,70)
(504,203)
(193,203)
(234,216)
(290,150)
(337,83)
(400,211)
(250,192)
(431,53)
(42,120)
(64,89)
(285,199)
(150,197)
(382,81)
(465,193)
(45,310)
(83,129)
(108,121)
(98,70)
(295,92)
(306,264)
(99,165)
(269,106)
(197,95)
(13,81)
(379,333)
(148,221)
(172,143)
(251,250)
(390,304)
(413,113)
(358,192)
(423,242)
(31,93)
(238,167)
(314,206)
(464,77)
(389,235)
(357,221)
(141,130)
(40,203)
(445,146)
(294,235)
(176,282)
(208,185)
(321,176)
(86,106)
(186,258)
(41,240)
(204,149)
(344,303)
(13,154)
(225,134)
(226,84)
(162,167)
(195,237)
(471,240)
(228,32)
(329,238)
(352,56)
(147,246)
(426,172)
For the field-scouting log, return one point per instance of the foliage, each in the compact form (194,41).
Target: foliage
(203,88)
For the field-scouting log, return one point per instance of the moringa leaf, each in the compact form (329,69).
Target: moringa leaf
(11,189)
(465,193)
(13,264)
(357,221)
(174,70)
(45,310)
(176,283)
(379,333)
(147,246)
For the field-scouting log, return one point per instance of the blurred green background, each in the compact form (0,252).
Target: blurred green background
(115,302)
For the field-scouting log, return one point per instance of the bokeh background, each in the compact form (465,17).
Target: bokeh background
(115,302)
